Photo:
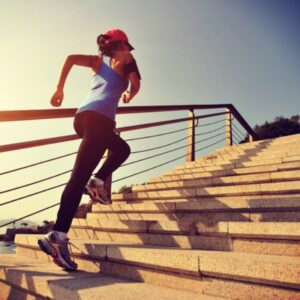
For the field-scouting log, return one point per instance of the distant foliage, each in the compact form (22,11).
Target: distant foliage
(279,127)
(46,227)
(83,209)
(125,189)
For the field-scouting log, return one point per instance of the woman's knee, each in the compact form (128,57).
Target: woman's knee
(119,146)
(126,150)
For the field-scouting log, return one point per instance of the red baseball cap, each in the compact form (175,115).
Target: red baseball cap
(118,35)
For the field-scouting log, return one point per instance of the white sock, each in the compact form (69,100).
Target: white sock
(98,181)
(61,235)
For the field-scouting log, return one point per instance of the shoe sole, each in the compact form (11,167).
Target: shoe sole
(50,251)
(46,247)
(87,192)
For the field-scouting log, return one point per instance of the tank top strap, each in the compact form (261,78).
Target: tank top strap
(106,60)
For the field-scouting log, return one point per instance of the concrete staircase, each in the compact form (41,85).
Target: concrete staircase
(225,226)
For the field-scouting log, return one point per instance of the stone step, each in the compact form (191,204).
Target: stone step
(229,163)
(254,149)
(273,271)
(264,238)
(259,145)
(251,156)
(250,203)
(210,216)
(271,230)
(237,159)
(218,171)
(224,287)
(232,165)
(220,181)
(268,143)
(281,187)
(277,237)
(239,163)
(188,215)
(215,243)
(46,281)
(279,140)
(241,160)
(262,145)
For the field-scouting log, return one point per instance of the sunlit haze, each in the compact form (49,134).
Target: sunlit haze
(244,52)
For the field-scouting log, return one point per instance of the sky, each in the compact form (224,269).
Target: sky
(243,52)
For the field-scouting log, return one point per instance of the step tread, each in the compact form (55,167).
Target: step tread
(241,189)
(220,180)
(48,280)
(31,240)
(282,270)
(232,169)
(228,172)
(172,205)
(239,159)
(236,163)
(198,204)
(276,230)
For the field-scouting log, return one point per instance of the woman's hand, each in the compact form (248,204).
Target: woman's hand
(57,98)
(126,97)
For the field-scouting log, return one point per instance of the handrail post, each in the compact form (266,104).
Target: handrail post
(108,181)
(190,151)
(228,127)
(250,138)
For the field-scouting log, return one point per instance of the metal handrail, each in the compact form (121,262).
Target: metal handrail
(230,111)
(72,137)
(38,114)
(23,115)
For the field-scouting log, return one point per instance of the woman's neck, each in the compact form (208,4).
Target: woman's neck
(119,54)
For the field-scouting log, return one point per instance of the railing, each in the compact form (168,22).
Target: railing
(233,133)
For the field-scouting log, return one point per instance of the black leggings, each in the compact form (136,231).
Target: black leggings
(97,133)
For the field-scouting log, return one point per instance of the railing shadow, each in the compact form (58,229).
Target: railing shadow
(188,222)
(54,285)
(196,228)
(209,219)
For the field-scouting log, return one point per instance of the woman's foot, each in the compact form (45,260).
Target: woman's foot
(96,190)
(58,248)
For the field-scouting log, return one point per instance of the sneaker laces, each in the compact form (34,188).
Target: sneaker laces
(69,244)
(70,248)
(102,191)
(98,193)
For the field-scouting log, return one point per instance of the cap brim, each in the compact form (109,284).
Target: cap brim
(130,47)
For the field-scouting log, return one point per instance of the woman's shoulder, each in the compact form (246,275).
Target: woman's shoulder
(122,59)
(97,62)
(128,58)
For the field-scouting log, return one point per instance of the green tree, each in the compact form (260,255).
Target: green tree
(125,189)
(280,126)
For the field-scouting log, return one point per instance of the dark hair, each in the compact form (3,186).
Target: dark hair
(106,46)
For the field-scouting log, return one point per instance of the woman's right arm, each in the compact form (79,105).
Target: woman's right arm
(90,61)
(134,77)
(134,88)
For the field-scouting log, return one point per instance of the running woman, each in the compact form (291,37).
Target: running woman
(114,70)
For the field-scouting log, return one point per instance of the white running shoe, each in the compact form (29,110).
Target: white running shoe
(96,190)
(59,250)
